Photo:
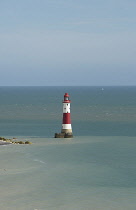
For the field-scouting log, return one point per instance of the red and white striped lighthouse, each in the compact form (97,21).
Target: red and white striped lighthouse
(66,131)
(66,122)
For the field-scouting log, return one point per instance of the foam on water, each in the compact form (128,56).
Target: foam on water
(40,161)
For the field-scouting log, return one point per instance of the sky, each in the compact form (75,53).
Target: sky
(67,43)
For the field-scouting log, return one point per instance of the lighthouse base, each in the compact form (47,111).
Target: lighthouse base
(63,135)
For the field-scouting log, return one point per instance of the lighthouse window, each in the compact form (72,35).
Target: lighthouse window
(67,104)
(66,98)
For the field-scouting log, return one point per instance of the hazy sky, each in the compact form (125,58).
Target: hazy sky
(67,42)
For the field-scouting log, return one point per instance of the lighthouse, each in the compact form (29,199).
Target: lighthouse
(66,131)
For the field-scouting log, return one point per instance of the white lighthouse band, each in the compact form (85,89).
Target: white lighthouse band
(67,126)
(66,107)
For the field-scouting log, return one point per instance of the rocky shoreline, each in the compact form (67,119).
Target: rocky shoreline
(4,141)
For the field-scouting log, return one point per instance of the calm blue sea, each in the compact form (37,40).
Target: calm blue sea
(95,170)
(95,111)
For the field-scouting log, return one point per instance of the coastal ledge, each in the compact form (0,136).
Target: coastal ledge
(63,135)
(4,141)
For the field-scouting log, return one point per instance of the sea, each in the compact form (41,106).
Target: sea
(94,170)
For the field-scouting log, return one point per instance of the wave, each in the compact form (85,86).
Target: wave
(40,161)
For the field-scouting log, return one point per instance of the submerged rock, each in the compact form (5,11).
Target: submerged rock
(28,142)
(11,141)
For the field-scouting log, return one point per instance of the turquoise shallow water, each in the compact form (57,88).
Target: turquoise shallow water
(93,171)
(80,173)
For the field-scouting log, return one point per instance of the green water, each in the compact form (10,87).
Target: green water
(95,170)
(80,173)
